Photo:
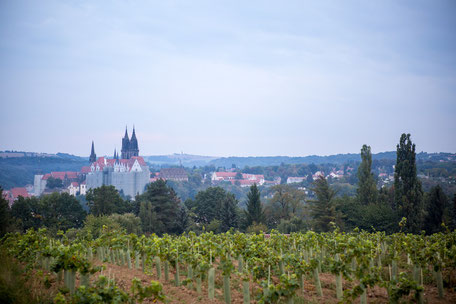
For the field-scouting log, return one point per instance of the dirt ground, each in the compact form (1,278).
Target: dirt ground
(123,275)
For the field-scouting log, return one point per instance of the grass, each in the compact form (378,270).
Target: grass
(16,285)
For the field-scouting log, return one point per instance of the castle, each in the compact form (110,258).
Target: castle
(129,174)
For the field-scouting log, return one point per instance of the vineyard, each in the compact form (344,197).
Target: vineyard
(240,268)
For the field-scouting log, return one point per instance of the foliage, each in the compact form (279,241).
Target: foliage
(408,193)
(106,200)
(159,209)
(228,213)
(367,189)
(55,211)
(436,205)
(5,215)
(254,211)
(323,209)
(52,183)
(286,202)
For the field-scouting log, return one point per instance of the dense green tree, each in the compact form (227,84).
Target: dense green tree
(367,188)
(372,217)
(106,200)
(96,225)
(61,211)
(323,209)
(436,204)
(148,217)
(228,213)
(159,208)
(5,214)
(207,204)
(128,221)
(54,211)
(285,203)
(254,211)
(53,183)
(453,213)
(183,220)
(294,224)
(26,213)
(408,192)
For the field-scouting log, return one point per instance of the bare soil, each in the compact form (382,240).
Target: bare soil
(182,294)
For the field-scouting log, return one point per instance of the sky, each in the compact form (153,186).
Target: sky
(227,78)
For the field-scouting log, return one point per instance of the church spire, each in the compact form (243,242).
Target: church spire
(93,156)
(125,145)
(134,149)
(126,132)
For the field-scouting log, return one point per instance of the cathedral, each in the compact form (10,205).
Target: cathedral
(129,146)
(129,174)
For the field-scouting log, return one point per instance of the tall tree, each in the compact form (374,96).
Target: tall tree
(254,212)
(323,209)
(436,203)
(5,214)
(367,188)
(160,206)
(27,213)
(408,194)
(106,200)
(61,211)
(453,213)
(207,204)
(228,213)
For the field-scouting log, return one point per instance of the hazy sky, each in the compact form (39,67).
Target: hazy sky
(227,77)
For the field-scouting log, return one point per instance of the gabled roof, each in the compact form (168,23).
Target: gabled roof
(16,192)
(85,169)
(225,174)
(61,175)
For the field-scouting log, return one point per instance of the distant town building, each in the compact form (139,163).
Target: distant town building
(296,179)
(40,181)
(76,188)
(12,194)
(246,180)
(317,175)
(73,188)
(174,174)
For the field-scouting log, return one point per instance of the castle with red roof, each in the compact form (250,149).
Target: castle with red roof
(129,174)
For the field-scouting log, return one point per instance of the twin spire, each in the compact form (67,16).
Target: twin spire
(129,147)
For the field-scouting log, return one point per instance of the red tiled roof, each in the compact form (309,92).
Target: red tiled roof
(74,184)
(85,169)
(140,160)
(225,174)
(16,192)
(111,162)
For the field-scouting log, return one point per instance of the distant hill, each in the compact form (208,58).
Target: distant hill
(20,171)
(18,168)
(186,160)
(251,161)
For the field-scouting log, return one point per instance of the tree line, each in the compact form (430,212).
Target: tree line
(288,209)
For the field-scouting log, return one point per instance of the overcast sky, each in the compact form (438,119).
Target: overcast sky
(227,78)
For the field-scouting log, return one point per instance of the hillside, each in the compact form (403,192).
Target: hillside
(337,159)
(19,171)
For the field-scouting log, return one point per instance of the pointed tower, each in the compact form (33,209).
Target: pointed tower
(93,156)
(125,146)
(115,154)
(134,150)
